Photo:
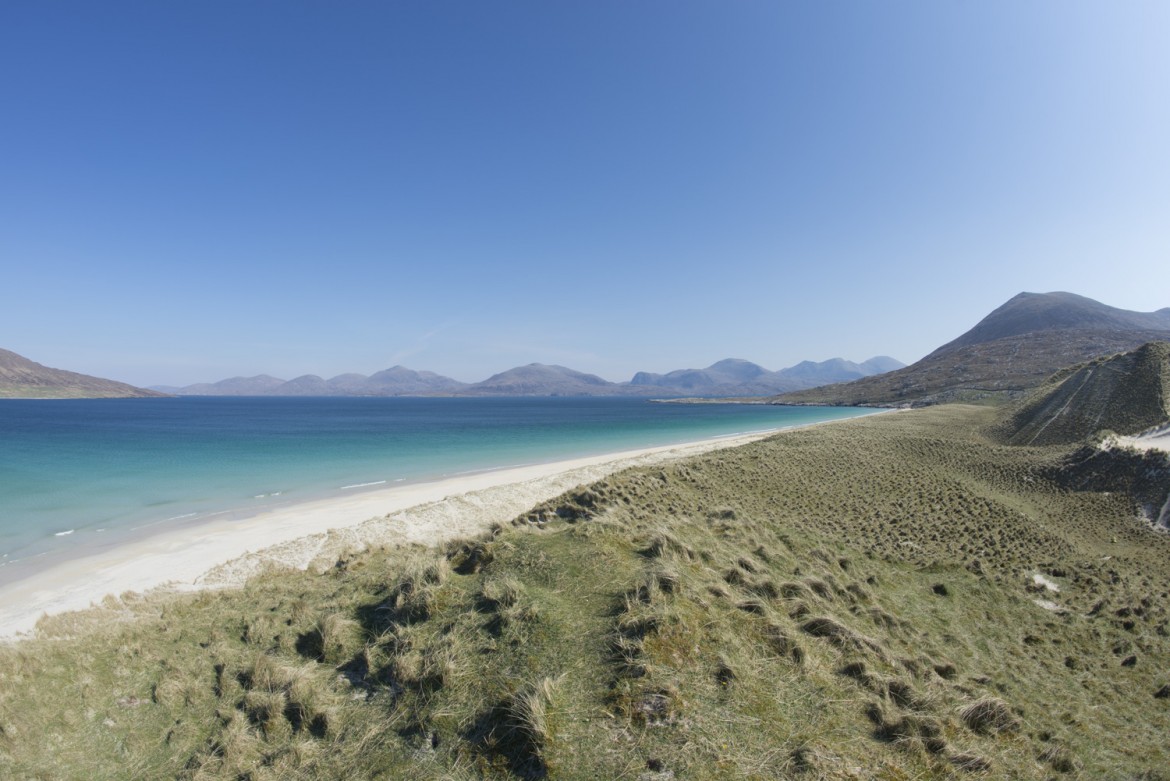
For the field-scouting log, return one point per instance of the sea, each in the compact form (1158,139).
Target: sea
(82,475)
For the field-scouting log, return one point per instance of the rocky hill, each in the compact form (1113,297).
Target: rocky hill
(21,378)
(1126,394)
(1031,313)
(1012,350)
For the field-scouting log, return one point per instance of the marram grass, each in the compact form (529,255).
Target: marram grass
(855,601)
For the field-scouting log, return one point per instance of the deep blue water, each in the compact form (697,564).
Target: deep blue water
(83,473)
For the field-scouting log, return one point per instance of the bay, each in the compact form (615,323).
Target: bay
(81,474)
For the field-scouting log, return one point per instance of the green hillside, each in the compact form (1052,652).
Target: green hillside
(895,597)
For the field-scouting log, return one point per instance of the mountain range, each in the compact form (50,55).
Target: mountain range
(1015,348)
(730,377)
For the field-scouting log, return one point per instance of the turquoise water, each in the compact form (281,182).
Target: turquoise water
(83,474)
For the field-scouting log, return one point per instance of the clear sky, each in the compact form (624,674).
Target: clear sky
(191,191)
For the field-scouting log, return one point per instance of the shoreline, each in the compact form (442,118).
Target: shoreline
(97,540)
(224,553)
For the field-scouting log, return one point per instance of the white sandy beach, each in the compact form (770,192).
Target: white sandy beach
(314,534)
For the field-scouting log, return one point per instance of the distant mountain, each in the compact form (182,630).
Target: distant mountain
(403,380)
(396,381)
(538,379)
(1015,348)
(881,364)
(1126,393)
(728,372)
(21,378)
(810,374)
(260,385)
(305,385)
(733,377)
(351,384)
(729,377)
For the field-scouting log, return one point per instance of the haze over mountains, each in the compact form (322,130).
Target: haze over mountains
(730,377)
(1015,348)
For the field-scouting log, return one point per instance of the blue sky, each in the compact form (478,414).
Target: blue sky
(191,191)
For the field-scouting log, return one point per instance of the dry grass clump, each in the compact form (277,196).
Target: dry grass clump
(969,762)
(638,619)
(414,588)
(839,635)
(791,590)
(518,729)
(467,557)
(274,715)
(663,543)
(332,640)
(501,592)
(819,587)
(529,713)
(425,667)
(989,716)
(910,731)
(866,678)
(781,643)
(1060,758)
(906,695)
(515,611)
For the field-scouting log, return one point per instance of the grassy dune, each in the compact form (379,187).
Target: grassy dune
(1125,393)
(895,597)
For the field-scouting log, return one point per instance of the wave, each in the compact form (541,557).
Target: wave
(64,533)
(362,485)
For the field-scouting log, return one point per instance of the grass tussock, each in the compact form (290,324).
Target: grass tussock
(840,603)
(990,716)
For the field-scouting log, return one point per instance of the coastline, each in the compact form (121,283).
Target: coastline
(314,534)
